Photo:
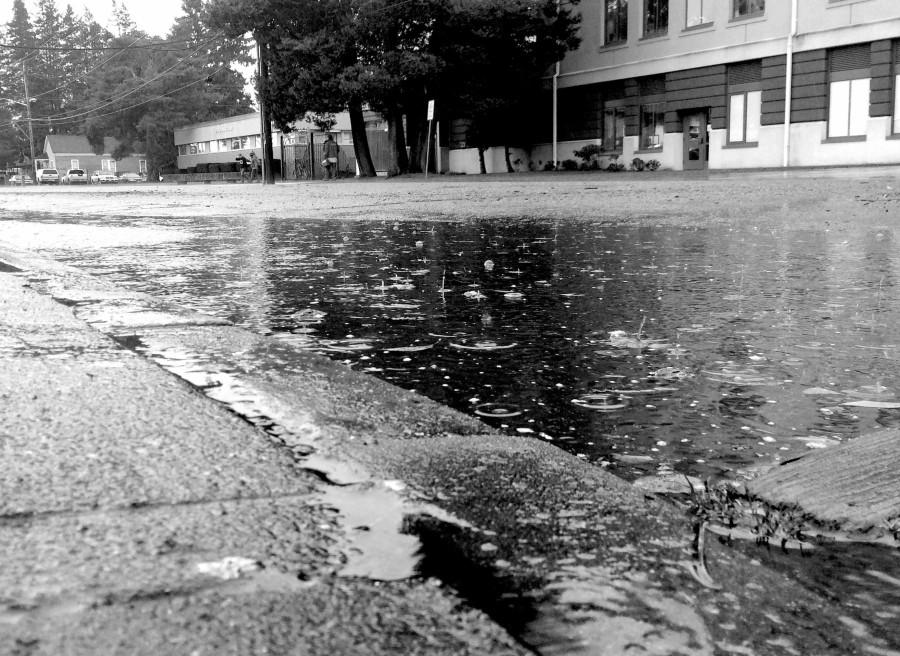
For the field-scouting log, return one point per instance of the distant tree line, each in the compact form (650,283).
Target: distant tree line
(484,62)
(90,80)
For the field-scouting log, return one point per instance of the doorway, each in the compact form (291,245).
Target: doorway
(696,140)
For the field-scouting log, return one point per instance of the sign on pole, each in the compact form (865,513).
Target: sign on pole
(428,138)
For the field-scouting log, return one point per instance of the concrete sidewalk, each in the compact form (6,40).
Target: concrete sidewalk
(138,515)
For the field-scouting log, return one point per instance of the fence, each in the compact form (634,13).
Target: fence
(300,164)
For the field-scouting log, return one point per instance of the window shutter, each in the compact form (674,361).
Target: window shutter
(851,58)
(744,73)
(897,53)
(651,86)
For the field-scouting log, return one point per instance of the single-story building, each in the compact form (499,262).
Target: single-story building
(69,151)
(222,141)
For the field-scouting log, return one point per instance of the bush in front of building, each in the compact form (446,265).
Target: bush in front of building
(590,156)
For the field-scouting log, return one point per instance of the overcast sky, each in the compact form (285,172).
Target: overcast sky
(153,16)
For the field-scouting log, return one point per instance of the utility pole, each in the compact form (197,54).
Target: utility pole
(268,159)
(28,114)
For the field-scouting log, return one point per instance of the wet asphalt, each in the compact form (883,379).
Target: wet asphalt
(160,495)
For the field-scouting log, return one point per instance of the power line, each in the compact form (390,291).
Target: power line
(83,112)
(73,120)
(69,49)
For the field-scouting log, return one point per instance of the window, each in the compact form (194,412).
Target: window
(896,129)
(613,128)
(142,166)
(616,21)
(653,126)
(73,164)
(745,8)
(695,12)
(108,165)
(848,108)
(656,17)
(848,91)
(744,111)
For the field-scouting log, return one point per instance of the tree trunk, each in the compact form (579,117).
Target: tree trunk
(415,134)
(400,160)
(509,166)
(361,141)
(481,160)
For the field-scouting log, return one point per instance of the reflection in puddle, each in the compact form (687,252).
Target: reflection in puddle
(707,337)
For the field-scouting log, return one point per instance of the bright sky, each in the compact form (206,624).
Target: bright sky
(153,16)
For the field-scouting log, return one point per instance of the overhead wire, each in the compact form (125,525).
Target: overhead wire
(85,111)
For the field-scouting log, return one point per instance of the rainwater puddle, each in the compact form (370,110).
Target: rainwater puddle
(639,349)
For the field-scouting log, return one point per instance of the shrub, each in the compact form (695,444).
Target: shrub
(637,164)
(203,168)
(569,165)
(652,164)
(587,153)
(549,166)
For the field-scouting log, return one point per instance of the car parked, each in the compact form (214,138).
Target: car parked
(47,176)
(75,176)
(130,176)
(103,177)
(21,178)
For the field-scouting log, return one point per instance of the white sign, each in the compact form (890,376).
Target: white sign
(430,110)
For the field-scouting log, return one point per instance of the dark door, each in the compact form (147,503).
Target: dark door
(696,141)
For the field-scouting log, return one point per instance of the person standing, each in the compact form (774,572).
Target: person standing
(254,166)
(331,151)
(244,165)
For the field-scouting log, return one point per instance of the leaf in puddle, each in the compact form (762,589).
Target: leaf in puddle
(819,391)
(884,405)
(410,349)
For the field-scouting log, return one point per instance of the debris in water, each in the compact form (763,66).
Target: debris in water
(229,568)
(483,345)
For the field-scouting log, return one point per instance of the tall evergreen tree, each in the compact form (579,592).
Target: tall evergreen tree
(14,63)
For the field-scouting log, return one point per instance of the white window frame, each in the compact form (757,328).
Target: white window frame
(695,13)
(142,166)
(73,164)
(653,140)
(658,31)
(616,109)
(108,165)
(848,107)
(744,116)
(752,9)
(896,123)
(621,9)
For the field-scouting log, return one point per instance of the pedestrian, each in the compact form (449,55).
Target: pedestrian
(254,166)
(331,152)
(243,166)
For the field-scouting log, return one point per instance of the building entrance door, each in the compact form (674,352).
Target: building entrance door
(696,141)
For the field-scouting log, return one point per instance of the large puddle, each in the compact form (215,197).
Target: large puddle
(645,350)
